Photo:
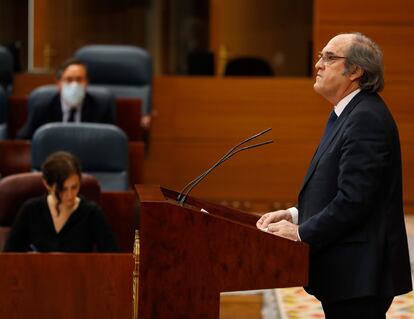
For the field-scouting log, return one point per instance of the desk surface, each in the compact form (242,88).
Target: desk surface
(58,285)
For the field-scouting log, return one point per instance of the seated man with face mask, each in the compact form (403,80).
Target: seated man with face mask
(72,102)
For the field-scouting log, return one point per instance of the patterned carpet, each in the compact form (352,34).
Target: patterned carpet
(295,303)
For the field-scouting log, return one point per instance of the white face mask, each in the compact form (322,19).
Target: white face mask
(73,93)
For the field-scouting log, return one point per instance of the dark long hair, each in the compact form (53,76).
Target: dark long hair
(57,168)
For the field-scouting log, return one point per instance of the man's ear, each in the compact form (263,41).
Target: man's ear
(355,73)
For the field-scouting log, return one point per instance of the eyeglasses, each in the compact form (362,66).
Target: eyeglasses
(329,58)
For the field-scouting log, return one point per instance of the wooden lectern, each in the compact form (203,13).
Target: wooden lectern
(189,256)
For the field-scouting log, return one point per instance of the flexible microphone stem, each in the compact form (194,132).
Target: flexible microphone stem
(224,156)
(201,177)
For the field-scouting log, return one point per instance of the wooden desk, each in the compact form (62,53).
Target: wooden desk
(66,286)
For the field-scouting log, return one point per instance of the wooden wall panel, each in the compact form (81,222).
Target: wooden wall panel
(61,29)
(277,31)
(198,119)
(389,23)
(397,12)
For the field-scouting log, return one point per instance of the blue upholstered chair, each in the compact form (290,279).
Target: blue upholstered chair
(101,148)
(125,70)
(3,114)
(6,70)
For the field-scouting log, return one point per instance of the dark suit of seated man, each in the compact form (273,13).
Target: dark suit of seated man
(71,103)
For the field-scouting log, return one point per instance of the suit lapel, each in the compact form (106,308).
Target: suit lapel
(56,114)
(87,111)
(336,129)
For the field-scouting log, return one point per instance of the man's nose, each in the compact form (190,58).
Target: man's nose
(319,64)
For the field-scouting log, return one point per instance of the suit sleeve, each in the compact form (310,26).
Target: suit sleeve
(110,114)
(27,131)
(363,157)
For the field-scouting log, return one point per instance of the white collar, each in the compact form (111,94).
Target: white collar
(344,102)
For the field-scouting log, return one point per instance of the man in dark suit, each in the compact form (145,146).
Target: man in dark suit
(71,103)
(350,207)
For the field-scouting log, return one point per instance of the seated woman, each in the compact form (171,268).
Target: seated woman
(61,221)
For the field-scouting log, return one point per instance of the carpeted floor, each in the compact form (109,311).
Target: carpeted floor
(295,303)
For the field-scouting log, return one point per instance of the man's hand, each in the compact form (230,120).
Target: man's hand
(284,229)
(273,217)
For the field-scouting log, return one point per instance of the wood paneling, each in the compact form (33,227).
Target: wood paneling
(225,257)
(121,209)
(61,29)
(198,119)
(24,83)
(388,23)
(396,12)
(66,286)
(277,31)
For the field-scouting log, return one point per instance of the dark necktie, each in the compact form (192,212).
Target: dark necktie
(72,113)
(329,126)
(327,133)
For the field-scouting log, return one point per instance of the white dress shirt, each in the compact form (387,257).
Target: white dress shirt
(66,112)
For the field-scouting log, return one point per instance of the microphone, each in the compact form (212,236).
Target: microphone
(227,155)
(233,151)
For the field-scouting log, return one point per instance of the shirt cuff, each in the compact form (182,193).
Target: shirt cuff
(295,218)
(295,214)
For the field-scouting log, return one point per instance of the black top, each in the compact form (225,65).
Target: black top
(85,230)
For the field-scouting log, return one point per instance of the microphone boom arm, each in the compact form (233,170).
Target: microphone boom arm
(221,159)
(183,195)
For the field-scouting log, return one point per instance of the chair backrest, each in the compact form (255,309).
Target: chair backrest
(125,70)
(3,114)
(248,66)
(16,157)
(101,148)
(6,69)
(17,188)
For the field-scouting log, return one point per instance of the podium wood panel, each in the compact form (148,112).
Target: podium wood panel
(66,286)
(188,257)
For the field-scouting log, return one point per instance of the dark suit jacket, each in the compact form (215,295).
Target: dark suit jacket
(93,110)
(350,207)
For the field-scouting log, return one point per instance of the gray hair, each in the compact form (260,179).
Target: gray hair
(367,55)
